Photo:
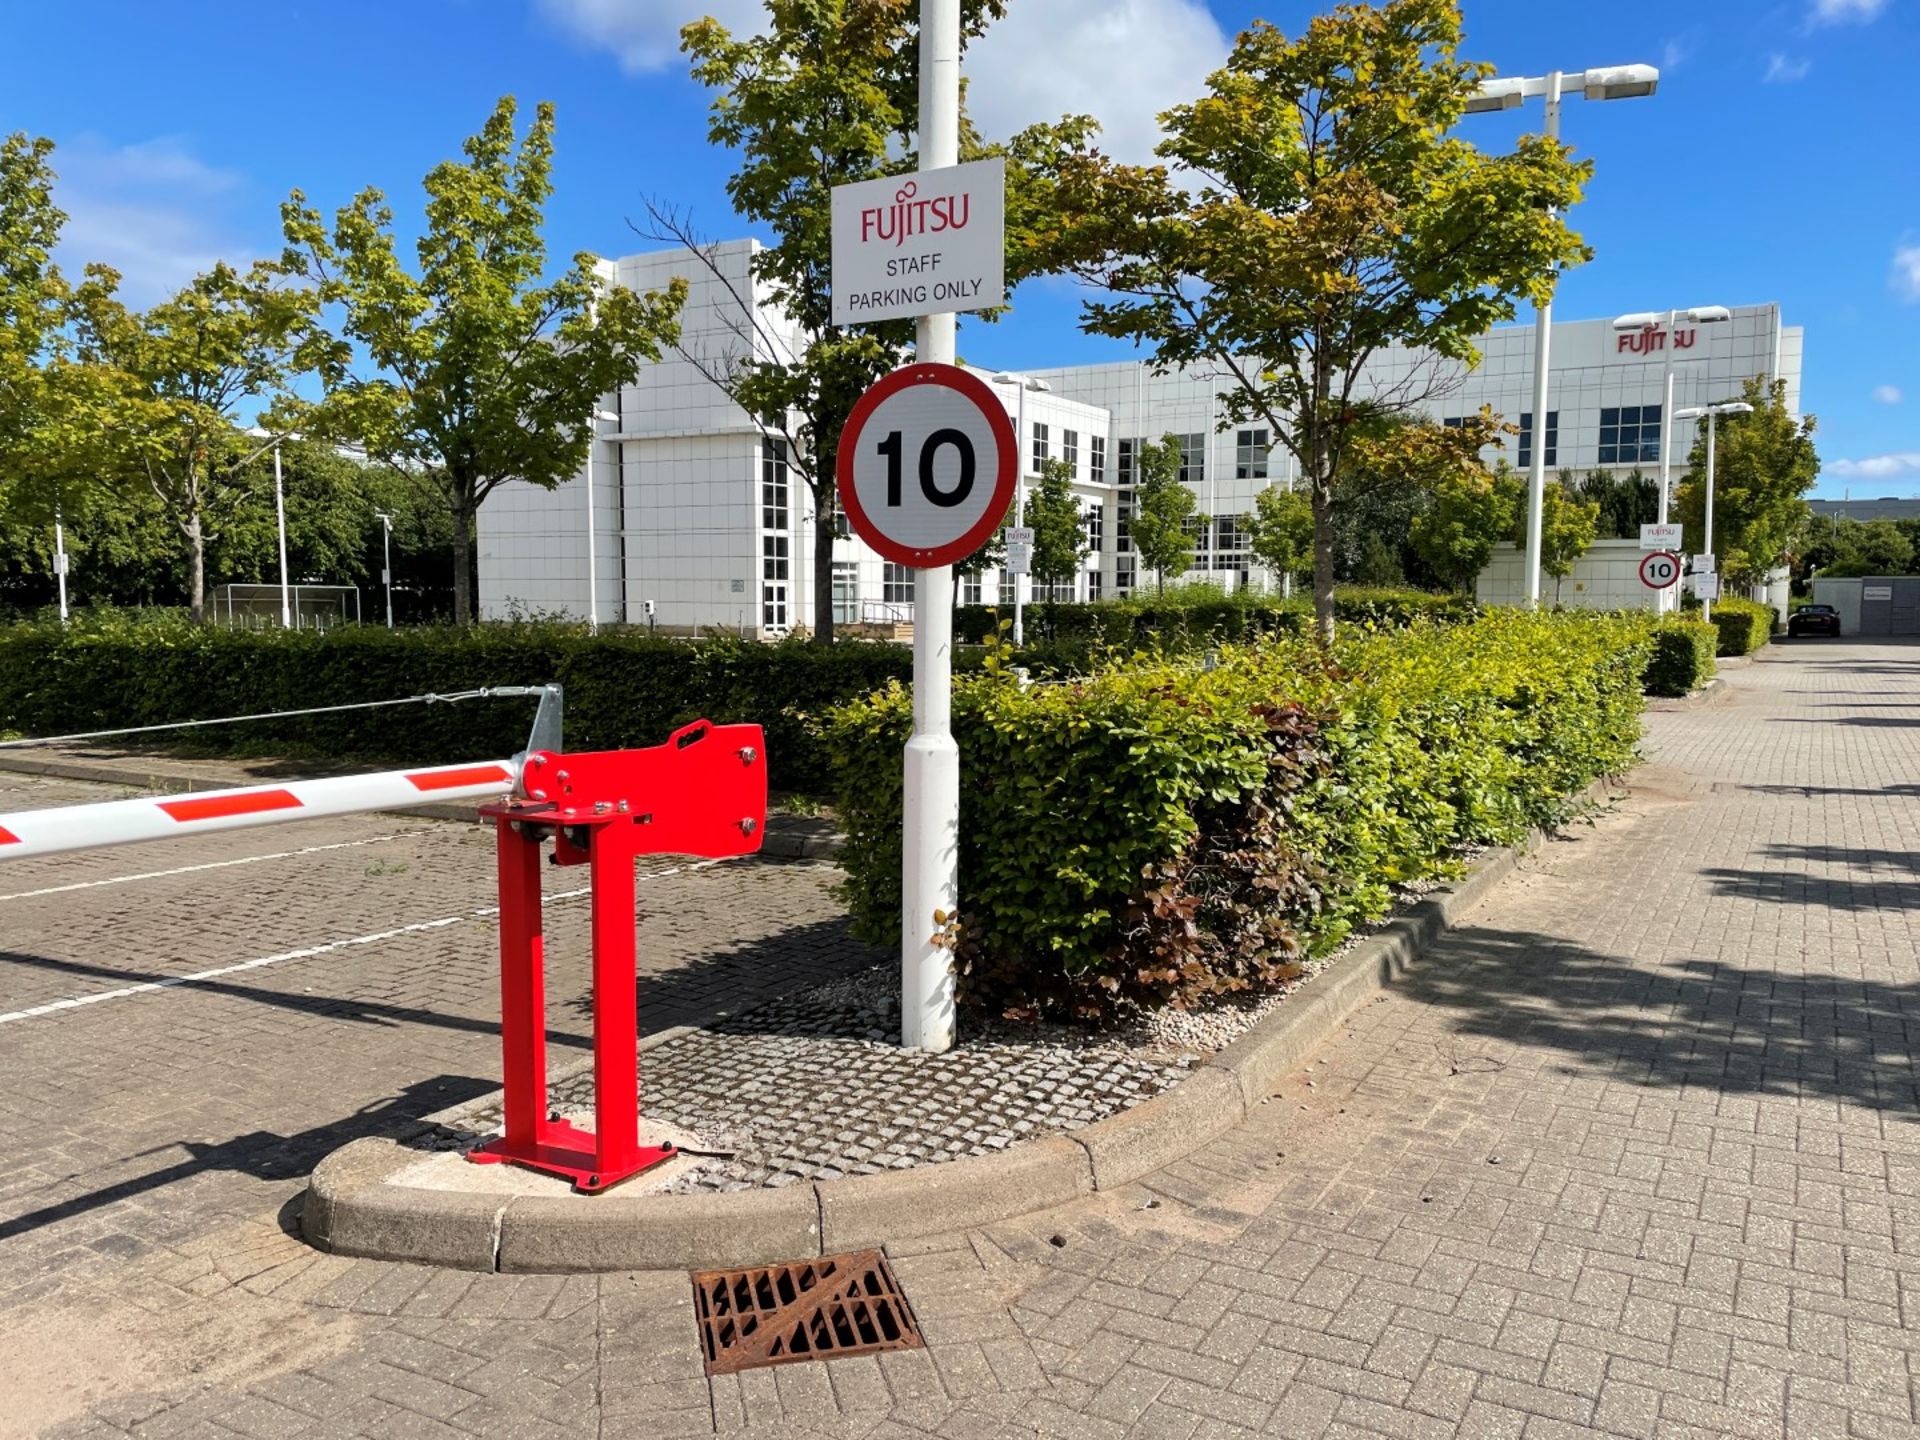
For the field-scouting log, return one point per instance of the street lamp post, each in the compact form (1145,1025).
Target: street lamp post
(593,566)
(60,561)
(1712,414)
(1023,454)
(280,517)
(1617,82)
(386,559)
(1652,319)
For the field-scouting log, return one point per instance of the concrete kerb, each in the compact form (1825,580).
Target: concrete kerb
(351,1210)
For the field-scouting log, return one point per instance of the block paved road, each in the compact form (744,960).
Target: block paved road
(1634,1154)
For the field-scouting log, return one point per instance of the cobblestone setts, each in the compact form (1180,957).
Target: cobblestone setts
(1634,1155)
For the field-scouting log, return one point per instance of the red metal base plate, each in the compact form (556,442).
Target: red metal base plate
(566,1150)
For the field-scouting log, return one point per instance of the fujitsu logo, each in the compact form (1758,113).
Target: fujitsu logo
(1650,339)
(909,216)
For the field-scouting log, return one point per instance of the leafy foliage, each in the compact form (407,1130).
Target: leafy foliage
(1681,659)
(1744,625)
(1165,512)
(482,371)
(1280,531)
(1850,547)
(1155,831)
(1317,206)
(1060,541)
(1764,465)
(1186,617)
(623,687)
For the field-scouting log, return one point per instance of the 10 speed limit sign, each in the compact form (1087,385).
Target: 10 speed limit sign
(1659,569)
(927,465)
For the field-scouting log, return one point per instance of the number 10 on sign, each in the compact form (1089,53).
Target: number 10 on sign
(926,466)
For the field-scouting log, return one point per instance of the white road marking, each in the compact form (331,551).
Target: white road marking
(308,952)
(209,865)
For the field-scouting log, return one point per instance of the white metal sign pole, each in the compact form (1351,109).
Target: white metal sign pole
(930,852)
(1542,353)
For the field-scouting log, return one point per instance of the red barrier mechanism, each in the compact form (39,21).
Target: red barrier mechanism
(704,793)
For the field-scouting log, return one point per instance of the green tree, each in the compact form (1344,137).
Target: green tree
(1317,207)
(480,372)
(1567,527)
(1764,465)
(192,365)
(1166,513)
(1862,547)
(1468,512)
(1624,502)
(1060,543)
(1280,531)
(826,94)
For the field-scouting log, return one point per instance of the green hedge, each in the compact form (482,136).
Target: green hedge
(1681,658)
(1744,625)
(623,688)
(1191,615)
(1157,831)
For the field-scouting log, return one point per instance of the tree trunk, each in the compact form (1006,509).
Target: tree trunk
(823,502)
(196,568)
(462,560)
(1323,560)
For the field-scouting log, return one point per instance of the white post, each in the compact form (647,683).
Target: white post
(386,563)
(280,517)
(1706,606)
(60,561)
(1020,582)
(1542,347)
(593,577)
(930,853)
(1661,597)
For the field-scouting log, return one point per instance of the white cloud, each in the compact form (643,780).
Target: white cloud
(153,210)
(1845,12)
(1878,467)
(1784,71)
(1888,394)
(1122,62)
(645,34)
(1905,278)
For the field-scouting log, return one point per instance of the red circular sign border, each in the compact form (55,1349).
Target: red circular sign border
(1678,566)
(950,377)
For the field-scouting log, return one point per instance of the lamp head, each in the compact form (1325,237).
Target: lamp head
(1620,82)
(1497,95)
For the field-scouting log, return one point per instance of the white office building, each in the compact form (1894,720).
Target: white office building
(697,520)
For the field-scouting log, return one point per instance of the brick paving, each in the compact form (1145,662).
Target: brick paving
(1633,1155)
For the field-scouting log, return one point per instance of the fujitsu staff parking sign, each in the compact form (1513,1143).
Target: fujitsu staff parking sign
(920,244)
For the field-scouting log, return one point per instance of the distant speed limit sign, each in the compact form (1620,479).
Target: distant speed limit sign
(927,465)
(1659,569)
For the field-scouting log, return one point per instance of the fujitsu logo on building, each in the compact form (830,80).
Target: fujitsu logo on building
(1650,339)
(908,216)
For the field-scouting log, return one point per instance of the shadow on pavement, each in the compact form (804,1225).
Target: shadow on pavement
(1700,1023)
(262,1154)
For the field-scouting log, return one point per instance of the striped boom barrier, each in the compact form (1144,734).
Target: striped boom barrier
(168,817)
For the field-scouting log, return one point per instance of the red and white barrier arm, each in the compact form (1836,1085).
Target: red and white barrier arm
(167,817)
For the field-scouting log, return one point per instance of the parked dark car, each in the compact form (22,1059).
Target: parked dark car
(1814,620)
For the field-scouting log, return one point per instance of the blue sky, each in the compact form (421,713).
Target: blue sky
(1777,162)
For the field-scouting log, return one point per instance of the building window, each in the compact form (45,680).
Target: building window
(1123,525)
(1093,584)
(1553,437)
(1124,473)
(1007,588)
(1097,459)
(1096,522)
(969,589)
(773,581)
(1250,449)
(1629,435)
(896,585)
(1193,459)
(773,485)
(1455,422)
(1039,447)
(846,592)
(1231,542)
(1123,577)
(1070,449)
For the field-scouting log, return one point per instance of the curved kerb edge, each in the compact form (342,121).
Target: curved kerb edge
(351,1209)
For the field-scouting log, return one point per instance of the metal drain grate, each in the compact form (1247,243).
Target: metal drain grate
(810,1310)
